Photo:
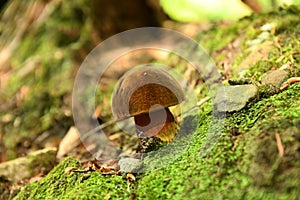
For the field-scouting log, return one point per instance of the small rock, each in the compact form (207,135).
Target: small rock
(130,165)
(267,90)
(274,77)
(40,161)
(234,98)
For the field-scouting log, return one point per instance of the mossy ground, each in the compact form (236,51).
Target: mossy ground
(243,162)
(76,185)
(252,170)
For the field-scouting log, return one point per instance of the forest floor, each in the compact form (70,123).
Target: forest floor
(251,152)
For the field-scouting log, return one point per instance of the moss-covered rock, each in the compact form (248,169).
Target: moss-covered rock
(41,161)
(75,185)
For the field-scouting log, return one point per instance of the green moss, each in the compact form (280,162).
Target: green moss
(54,183)
(267,90)
(253,170)
(218,37)
(259,68)
(242,81)
(75,186)
(295,72)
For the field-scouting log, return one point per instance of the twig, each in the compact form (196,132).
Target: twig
(279,145)
(236,142)
(289,82)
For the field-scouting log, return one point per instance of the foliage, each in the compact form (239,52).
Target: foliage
(42,66)
(197,10)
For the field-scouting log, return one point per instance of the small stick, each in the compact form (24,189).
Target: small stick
(279,145)
(236,142)
(289,82)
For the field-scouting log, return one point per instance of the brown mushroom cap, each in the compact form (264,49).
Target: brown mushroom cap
(141,88)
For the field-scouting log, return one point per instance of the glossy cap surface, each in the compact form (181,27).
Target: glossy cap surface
(141,88)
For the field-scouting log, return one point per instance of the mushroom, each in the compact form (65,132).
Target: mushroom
(146,93)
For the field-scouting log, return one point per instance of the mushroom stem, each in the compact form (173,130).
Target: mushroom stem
(161,124)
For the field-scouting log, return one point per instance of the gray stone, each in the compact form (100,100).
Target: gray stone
(274,77)
(130,165)
(234,98)
(26,167)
